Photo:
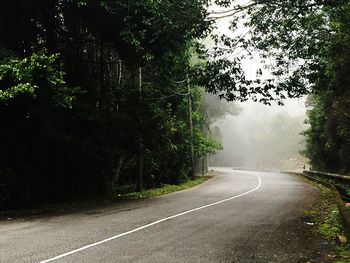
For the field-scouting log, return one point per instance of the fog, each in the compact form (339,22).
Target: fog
(262,137)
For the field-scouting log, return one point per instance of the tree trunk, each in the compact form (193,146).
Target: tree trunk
(139,185)
(189,100)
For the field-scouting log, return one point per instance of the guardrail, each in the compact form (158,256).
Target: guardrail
(342,179)
(339,198)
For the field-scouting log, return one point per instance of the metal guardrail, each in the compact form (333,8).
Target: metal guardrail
(330,184)
(340,182)
(339,196)
(337,177)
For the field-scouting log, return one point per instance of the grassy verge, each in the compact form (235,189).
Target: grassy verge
(325,215)
(165,189)
(122,193)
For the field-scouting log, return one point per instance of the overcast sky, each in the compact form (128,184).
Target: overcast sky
(295,107)
(239,133)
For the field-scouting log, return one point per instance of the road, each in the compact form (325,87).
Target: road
(238,216)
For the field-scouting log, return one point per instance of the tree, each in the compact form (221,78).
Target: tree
(71,92)
(309,43)
(69,82)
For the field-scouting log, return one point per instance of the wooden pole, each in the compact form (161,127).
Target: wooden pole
(208,137)
(190,123)
(100,103)
(203,166)
(139,184)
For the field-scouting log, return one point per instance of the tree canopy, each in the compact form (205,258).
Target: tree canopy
(308,44)
(91,91)
(70,101)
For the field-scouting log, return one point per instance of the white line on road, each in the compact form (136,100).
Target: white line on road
(150,224)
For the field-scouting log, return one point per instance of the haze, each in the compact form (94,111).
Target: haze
(262,137)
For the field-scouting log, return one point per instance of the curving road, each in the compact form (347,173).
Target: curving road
(238,216)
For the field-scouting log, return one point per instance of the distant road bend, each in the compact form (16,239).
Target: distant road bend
(239,216)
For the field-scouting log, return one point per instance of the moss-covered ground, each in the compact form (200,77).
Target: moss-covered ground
(325,215)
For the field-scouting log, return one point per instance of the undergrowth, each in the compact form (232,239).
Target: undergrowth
(119,194)
(328,224)
(165,189)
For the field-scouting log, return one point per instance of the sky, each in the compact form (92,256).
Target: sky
(249,139)
(294,107)
(262,137)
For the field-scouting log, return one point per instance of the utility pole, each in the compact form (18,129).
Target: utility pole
(189,100)
(139,186)
(208,137)
(205,159)
(100,95)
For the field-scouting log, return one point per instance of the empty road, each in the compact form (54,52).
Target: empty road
(238,216)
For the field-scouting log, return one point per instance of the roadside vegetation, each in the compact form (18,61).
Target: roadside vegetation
(127,193)
(100,94)
(310,43)
(304,48)
(84,203)
(327,223)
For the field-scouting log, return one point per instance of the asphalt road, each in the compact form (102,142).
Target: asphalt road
(238,216)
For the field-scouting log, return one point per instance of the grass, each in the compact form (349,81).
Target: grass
(165,189)
(122,193)
(325,215)
(328,218)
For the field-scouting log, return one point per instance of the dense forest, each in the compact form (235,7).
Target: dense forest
(95,94)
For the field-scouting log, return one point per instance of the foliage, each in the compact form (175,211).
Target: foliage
(23,77)
(165,189)
(329,135)
(70,104)
(215,109)
(203,147)
(325,215)
(75,115)
(308,44)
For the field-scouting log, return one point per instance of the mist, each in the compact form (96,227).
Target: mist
(262,137)
(258,136)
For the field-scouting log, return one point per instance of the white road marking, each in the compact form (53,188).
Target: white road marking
(151,224)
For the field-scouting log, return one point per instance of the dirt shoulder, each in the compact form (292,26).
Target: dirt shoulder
(322,226)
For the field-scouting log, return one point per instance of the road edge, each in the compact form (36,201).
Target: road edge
(344,215)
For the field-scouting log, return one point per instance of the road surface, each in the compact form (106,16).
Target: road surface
(238,216)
